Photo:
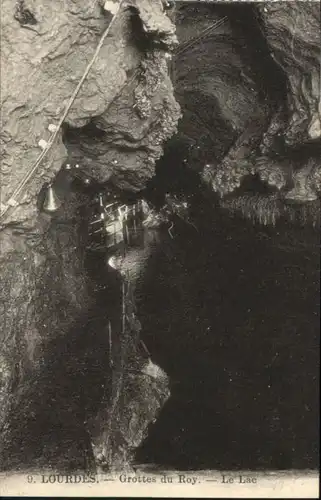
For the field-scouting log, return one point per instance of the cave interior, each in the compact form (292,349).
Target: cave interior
(228,305)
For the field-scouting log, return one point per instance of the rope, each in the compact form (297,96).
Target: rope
(12,200)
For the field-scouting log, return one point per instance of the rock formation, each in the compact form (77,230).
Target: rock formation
(127,96)
(116,128)
(43,69)
(258,129)
(292,32)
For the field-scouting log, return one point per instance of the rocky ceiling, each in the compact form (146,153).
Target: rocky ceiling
(248,83)
(247,93)
(247,77)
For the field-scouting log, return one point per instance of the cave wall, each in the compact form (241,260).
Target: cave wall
(214,83)
(266,59)
(46,48)
(44,295)
(292,30)
(116,128)
(43,68)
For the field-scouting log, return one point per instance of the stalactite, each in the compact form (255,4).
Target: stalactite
(305,214)
(303,190)
(271,172)
(238,162)
(226,177)
(263,209)
(315,178)
(268,209)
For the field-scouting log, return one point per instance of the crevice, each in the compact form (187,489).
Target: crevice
(23,15)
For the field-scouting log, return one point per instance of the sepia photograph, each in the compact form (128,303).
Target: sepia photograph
(160,190)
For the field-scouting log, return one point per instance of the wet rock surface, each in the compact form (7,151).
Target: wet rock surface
(292,32)
(211,57)
(46,50)
(273,106)
(58,386)
(44,292)
(139,388)
(42,72)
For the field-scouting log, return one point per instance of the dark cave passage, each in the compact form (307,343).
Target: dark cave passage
(239,339)
(228,309)
(238,335)
(239,329)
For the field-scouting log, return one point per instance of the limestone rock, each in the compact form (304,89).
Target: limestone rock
(292,30)
(215,86)
(43,293)
(128,138)
(46,48)
(44,62)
